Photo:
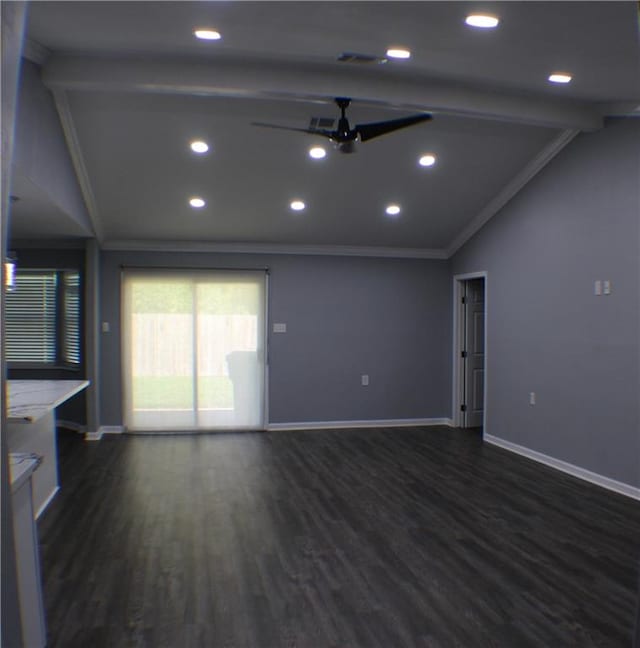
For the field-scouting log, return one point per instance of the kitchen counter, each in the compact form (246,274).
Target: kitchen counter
(30,400)
(31,429)
(21,466)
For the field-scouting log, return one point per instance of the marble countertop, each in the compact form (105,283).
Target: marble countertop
(21,465)
(30,400)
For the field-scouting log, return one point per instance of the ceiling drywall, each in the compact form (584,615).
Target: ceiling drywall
(134,87)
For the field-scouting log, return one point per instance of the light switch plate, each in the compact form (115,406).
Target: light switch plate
(597,287)
(280,328)
(606,287)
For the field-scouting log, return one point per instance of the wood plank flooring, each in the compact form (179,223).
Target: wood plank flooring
(332,539)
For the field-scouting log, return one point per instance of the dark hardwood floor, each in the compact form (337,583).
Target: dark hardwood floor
(343,539)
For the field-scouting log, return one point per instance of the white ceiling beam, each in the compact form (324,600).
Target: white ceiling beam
(388,84)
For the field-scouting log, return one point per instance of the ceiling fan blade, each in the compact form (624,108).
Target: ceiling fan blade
(375,129)
(310,131)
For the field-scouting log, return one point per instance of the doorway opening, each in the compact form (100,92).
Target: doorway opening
(470,351)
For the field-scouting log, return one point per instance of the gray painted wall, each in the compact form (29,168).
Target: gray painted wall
(41,152)
(345,316)
(576,222)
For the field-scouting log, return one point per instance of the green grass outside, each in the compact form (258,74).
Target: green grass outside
(175,392)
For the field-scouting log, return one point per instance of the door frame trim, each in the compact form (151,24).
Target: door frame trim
(266,355)
(456,399)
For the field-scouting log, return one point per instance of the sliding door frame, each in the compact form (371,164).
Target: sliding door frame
(266,354)
(265,379)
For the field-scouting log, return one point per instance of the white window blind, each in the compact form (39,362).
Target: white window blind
(42,318)
(30,324)
(193,349)
(71,318)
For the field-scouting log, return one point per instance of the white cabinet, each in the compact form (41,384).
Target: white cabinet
(27,554)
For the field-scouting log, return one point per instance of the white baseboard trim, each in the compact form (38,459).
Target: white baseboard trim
(576,471)
(46,503)
(334,425)
(111,429)
(103,429)
(71,425)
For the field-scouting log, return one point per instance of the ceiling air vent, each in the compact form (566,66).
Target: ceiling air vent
(321,122)
(354,57)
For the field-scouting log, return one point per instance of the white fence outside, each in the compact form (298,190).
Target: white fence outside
(163,344)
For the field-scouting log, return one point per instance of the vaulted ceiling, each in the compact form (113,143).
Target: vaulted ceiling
(134,87)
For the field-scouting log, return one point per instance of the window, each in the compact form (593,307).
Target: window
(42,324)
(71,318)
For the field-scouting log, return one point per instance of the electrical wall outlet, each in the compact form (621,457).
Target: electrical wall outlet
(532,398)
(365,379)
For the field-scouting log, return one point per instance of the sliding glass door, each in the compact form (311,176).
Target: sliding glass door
(193,349)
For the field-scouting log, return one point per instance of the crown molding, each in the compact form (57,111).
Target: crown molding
(49,243)
(133,245)
(35,52)
(620,109)
(75,150)
(512,188)
(266,248)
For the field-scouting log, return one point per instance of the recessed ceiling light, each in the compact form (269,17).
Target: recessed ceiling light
(427,160)
(207,34)
(398,52)
(483,21)
(297,205)
(197,202)
(393,210)
(317,152)
(560,77)
(199,146)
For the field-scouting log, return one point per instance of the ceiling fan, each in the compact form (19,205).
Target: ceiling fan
(344,137)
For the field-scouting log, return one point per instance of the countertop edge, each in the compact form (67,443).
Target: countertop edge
(25,469)
(40,410)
